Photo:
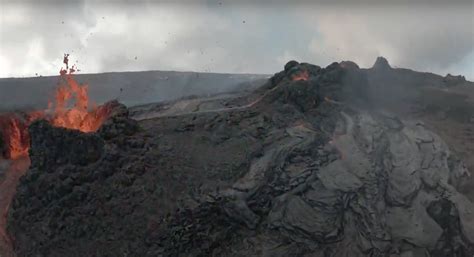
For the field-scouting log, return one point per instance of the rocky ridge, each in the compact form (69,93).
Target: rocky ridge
(302,166)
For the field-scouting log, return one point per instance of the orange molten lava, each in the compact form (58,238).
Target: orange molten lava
(14,127)
(81,116)
(302,75)
(70,109)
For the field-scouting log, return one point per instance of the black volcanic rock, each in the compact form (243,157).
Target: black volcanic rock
(381,64)
(295,168)
(119,123)
(52,147)
(451,80)
(289,65)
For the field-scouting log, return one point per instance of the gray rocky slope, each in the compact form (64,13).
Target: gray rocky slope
(130,88)
(294,168)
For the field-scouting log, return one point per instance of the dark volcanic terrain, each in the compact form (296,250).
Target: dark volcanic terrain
(320,162)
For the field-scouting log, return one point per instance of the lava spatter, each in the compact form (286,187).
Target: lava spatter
(70,109)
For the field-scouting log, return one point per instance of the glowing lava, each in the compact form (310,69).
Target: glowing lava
(69,109)
(80,117)
(13,128)
(301,75)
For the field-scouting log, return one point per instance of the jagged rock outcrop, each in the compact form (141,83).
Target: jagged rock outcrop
(381,64)
(52,146)
(296,168)
(452,80)
(119,123)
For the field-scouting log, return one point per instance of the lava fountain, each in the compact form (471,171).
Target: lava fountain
(70,108)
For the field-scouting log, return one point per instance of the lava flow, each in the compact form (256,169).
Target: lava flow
(69,109)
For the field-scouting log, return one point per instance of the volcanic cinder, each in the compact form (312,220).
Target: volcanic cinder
(315,162)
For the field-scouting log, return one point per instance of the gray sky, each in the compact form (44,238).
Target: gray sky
(233,36)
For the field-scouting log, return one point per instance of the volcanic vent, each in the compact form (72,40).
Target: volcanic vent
(302,166)
(80,116)
(70,108)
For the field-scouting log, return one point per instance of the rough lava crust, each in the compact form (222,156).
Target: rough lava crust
(306,165)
